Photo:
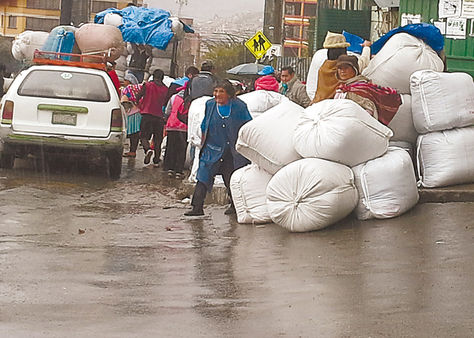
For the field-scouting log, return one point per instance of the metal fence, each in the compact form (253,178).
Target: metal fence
(300,65)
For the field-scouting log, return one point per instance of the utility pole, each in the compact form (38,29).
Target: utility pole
(181,4)
(66,12)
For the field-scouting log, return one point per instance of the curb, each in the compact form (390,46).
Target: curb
(456,193)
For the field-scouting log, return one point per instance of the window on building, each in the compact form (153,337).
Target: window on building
(39,24)
(12,21)
(99,6)
(44,4)
(292,32)
(292,9)
(310,10)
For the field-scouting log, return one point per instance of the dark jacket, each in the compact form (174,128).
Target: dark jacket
(201,85)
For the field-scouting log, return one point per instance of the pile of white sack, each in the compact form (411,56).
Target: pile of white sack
(99,39)
(312,167)
(90,39)
(400,57)
(443,114)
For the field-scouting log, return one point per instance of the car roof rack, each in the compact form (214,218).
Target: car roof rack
(69,59)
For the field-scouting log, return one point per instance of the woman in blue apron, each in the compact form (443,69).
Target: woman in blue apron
(224,116)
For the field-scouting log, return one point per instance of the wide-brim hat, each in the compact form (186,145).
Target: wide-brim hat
(335,40)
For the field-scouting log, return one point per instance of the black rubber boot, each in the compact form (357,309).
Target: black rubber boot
(195,211)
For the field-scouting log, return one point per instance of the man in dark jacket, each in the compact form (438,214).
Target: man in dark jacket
(202,84)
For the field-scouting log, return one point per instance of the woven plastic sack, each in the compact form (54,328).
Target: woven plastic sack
(312,79)
(402,123)
(446,157)
(311,194)
(24,45)
(386,185)
(442,100)
(268,140)
(340,131)
(399,58)
(248,186)
(100,39)
(259,101)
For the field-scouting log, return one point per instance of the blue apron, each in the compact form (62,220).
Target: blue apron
(220,135)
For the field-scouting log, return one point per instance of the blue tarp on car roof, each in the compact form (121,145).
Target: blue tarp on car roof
(150,26)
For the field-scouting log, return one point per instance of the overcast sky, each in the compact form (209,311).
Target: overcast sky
(209,8)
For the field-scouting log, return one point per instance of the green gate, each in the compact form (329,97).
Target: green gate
(352,16)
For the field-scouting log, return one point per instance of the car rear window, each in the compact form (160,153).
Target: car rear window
(65,85)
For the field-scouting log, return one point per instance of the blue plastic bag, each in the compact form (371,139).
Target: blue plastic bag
(61,39)
(355,41)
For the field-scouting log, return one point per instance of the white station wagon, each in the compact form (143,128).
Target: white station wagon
(62,109)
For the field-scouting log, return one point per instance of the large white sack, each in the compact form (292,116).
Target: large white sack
(446,157)
(312,79)
(340,131)
(248,186)
(177,28)
(259,101)
(113,19)
(401,56)
(24,45)
(195,165)
(96,38)
(386,185)
(311,194)
(196,113)
(402,123)
(442,100)
(268,140)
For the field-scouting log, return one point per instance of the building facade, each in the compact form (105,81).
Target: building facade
(20,15)
(297,26)
(300,25)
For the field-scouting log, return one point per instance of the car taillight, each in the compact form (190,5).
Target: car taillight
(7,114)
(116,123)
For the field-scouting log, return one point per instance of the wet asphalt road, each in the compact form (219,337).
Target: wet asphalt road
(84,256)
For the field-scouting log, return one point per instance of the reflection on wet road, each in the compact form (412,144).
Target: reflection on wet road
(82,255)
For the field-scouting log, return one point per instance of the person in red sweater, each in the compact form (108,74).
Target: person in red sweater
(176,131)
(150,100)
(113,75)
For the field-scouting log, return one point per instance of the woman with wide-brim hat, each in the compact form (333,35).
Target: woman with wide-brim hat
(336,45)
(224,116)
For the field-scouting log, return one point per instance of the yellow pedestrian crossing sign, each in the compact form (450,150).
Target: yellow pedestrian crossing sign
(258,45)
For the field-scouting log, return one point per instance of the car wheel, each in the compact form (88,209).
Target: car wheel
(7,160)
(115,165)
